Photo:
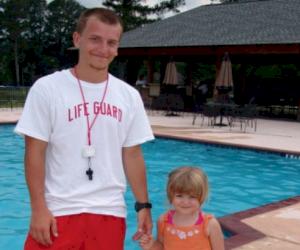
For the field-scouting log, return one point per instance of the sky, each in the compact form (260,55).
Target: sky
(189,4)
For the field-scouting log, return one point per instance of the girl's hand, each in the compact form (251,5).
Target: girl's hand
(146,242)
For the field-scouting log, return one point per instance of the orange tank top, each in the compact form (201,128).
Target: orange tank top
(184,237)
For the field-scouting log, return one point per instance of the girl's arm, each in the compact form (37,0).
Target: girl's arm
(215,235)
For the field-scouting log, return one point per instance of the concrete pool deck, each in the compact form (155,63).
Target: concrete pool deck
(271,227)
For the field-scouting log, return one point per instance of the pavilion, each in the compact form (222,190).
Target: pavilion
(262,31)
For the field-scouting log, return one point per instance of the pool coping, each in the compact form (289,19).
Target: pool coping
(282,152)
(241,232)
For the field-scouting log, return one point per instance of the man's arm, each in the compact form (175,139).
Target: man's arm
(135,171)
(42,221)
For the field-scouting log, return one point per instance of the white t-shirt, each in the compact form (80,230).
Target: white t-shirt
(55,112)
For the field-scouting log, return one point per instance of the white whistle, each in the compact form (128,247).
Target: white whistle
(88,151)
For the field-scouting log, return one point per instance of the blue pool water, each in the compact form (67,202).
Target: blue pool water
(239,180)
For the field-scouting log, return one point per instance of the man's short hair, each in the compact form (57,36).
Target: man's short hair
(104,15)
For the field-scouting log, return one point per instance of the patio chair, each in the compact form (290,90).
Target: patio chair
(198,111)
(159,103)
(246,116)
(211,113)
(231,113)
(175,104)
(249,115)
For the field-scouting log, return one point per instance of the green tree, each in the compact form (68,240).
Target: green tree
(35,40)
(13,18)
(21,36)
(61,21)
(134,13)
(35,37)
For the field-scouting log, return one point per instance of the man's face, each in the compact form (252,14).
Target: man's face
(98,44)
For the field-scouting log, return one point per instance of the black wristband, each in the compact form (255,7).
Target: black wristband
(138,206)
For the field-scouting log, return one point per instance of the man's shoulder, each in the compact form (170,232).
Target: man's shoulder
(47,81)
(118,80)
(53,75)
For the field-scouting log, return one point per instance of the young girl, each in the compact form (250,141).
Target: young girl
(186,226)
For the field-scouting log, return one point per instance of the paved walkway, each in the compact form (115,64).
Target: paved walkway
(272,227)
(8,115)
(281,136)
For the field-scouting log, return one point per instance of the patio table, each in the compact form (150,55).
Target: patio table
(223,109)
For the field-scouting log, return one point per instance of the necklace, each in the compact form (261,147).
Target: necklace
(88,151)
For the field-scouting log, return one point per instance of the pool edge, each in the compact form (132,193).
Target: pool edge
(243,233)
(282,152)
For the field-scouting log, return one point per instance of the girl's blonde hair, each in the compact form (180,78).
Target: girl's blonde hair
(188,180)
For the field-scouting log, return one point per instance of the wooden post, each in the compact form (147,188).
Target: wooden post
(298,116)
(150,70)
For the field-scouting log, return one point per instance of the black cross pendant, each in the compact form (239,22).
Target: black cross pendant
(89,173)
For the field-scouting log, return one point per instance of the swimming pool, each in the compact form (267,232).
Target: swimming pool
(239,179)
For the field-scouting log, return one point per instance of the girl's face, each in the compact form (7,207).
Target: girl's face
(185,203)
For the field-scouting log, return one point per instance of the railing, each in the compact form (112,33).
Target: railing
(279,111)
(13,97)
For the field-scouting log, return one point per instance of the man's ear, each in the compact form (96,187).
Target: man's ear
(76,39)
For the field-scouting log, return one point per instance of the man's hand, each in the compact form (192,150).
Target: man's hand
(42,225)
(144,223)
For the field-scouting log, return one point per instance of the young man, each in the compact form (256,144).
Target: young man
(83,128)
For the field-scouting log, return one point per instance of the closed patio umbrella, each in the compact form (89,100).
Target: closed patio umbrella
(171,76)
(171,82)
(224,85)
(224,82)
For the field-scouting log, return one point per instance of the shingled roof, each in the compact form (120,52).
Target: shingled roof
(244,23)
